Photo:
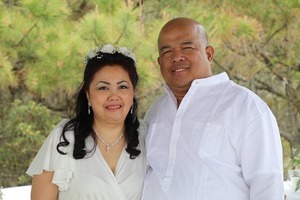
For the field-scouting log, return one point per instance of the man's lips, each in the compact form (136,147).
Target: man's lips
(179,70)
(176,70)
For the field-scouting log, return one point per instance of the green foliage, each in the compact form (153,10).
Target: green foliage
(26,126)
(42,44)
(109,7)
(296,160)
(296,164)
(6,72)
(44,11)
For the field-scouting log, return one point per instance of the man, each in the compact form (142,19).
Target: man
(208,138)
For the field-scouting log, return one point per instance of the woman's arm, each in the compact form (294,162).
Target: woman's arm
(43,188)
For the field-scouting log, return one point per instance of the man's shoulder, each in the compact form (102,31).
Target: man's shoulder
(247,98)
(153,109)
(158,101)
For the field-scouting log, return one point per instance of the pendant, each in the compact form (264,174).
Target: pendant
(107,148)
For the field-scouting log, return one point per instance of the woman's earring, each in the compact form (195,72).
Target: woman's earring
(89,109)
(131,110)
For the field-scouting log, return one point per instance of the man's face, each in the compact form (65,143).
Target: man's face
(182,55)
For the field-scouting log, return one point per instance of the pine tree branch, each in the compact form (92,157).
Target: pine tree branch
(268,88)
(269,65)
(139,3)
(124,29)
(276,32)
(26,34)
(284,26)
(220,66)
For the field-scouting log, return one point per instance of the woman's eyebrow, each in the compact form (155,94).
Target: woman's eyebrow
(107,83)
(120,82)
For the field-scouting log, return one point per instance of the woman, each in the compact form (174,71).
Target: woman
(99,152)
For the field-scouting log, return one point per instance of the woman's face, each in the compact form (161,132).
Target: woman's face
(111,95)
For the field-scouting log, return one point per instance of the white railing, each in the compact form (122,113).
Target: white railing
(16,193)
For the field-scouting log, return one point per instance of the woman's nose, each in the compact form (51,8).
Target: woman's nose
(113,95)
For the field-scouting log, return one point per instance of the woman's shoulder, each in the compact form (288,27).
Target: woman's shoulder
(48,158)
(59,127)
(56,133)
(62,123)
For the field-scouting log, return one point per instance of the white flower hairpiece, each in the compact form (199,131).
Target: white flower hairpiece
(108,48)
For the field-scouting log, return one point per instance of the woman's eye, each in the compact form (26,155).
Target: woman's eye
(102,88)
(123,87)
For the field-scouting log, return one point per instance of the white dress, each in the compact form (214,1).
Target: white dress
(90,178)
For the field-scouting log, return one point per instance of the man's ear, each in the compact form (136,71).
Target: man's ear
(210,53)
(158,61)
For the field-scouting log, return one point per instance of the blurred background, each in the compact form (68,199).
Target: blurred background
(42,43)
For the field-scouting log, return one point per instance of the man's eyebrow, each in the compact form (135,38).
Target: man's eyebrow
(187,42)
(183,43)
(164,47)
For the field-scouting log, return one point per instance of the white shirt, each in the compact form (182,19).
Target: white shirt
(222,143)
(90,178)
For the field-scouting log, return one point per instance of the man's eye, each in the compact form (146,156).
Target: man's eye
(166,52)
(188,48)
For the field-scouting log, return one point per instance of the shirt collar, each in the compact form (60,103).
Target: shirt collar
(203,82)
(212,80)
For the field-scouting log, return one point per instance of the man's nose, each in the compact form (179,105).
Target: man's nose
(177,56)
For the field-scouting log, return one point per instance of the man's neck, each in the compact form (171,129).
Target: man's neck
(179,98)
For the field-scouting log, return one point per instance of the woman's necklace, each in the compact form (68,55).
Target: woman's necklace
(108,146)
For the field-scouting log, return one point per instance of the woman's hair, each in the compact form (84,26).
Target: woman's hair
(82,122)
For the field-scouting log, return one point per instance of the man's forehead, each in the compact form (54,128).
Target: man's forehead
(179,43)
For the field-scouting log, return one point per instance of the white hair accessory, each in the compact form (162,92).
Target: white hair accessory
(108,48)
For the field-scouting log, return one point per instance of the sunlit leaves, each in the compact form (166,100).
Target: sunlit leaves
(27,125)
(44,11)
(6,73)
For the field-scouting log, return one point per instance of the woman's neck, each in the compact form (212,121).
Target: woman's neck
(108,131)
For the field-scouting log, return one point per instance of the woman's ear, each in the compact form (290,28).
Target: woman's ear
(88,97)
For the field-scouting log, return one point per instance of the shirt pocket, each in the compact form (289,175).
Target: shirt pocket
(157,141)
(153,138)
(206,139)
